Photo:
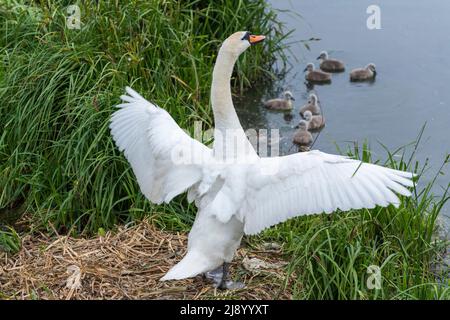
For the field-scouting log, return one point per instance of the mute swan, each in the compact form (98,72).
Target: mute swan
(303,137)
(314,122)
(363,74)
(330,65)
(316,76)
(312,105)
(281,104)
(237,192)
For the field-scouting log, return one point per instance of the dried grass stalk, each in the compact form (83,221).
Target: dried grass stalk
(126,264)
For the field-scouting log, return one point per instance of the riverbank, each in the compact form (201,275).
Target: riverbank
(60,168)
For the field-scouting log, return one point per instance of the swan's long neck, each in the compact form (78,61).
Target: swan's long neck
(225,116)
(226,121)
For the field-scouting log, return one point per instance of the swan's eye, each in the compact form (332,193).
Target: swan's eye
(246,36)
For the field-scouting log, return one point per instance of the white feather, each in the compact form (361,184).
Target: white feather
(236,198)
(326,182)
(148,135)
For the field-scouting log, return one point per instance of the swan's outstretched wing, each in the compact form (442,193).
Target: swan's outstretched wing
(165,160)
(280,188)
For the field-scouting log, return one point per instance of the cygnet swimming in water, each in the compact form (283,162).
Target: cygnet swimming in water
(312,105)
(281,104)
(303,138)
(330,65)
(364,74)
(314,122)
(316,76)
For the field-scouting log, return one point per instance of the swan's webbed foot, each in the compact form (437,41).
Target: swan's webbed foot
(215,276)
(220,279)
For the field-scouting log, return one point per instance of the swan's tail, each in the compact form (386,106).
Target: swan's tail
(191,265)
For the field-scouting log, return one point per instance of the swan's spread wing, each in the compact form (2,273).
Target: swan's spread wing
(313,182)
(165,160)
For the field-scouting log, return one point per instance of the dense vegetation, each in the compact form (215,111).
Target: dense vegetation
(58,164)
(333,255)
(59,87)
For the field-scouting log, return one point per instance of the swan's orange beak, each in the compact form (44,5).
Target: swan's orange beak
(255,39)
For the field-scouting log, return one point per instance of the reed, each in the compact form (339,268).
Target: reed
(59,87)
(330,255)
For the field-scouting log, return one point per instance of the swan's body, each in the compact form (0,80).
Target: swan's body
(363,74)
(237,192)
(312,105)
(281,104)
(315,122)
(330,65)
(316,76)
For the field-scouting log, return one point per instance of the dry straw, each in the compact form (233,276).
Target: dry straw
(126,264)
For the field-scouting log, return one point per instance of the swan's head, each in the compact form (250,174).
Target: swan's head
(308,115)
(312,99)
(309,67)
(238,42)
(302,125)
(323,56)
(288,95)
(371,67)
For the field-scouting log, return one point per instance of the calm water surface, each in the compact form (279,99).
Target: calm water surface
(412,55)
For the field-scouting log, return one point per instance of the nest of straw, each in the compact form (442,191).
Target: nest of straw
(126,264)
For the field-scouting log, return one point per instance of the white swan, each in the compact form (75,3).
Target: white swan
(236,191)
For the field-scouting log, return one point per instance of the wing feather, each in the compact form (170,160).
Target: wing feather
(315,182)
(150,138)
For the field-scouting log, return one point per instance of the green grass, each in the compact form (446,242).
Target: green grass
(9,240)
(58,88)
(330,254)
(58,164)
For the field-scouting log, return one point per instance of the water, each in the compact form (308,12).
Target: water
(412,55)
